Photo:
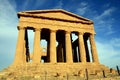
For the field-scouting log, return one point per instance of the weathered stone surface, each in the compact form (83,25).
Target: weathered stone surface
(63,57)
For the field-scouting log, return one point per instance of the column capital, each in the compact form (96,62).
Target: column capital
(81,33)
(53,30)
(20,28)
(92,34)
(37,29)
(67,32)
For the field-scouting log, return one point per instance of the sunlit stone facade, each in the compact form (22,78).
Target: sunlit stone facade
(63,54)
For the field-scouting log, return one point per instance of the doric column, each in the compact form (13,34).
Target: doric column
(93,49)
(24,57)
(36,51)
(69,57)
(53,46)
(81,47)
(19,55)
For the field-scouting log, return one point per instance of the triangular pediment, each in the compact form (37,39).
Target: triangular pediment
(56,14)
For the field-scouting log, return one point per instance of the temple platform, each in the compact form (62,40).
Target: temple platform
(58,69)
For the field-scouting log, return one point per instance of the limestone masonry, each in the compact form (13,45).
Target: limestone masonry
(67,56)
(55,26)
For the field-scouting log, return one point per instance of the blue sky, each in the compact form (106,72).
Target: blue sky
(104,13)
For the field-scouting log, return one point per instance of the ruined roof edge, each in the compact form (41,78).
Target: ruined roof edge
(56,10)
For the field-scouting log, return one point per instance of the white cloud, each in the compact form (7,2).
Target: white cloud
(38,3)
(82,11)
(106,13)
(8,32)
(115,42)
(110,30)
(83,8)
(82,4)
(104,21)
(108,54)
(8,19)
(59,5)
(25,5)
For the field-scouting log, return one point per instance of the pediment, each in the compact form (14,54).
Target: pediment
(56,14)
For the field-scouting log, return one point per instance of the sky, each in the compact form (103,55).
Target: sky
(104,13)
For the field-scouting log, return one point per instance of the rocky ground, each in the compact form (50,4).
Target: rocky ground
(5,76)
(23,75)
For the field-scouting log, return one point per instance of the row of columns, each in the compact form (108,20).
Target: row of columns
(36,52)
(81,47)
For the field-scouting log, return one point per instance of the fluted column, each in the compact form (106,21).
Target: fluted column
(19,55)
(24,55)
(69,57)
(53,46)
(36,51)
(93,49)
(81,47)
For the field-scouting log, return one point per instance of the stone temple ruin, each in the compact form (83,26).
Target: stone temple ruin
(67,56)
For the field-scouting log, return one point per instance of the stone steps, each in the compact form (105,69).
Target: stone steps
(60,68)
